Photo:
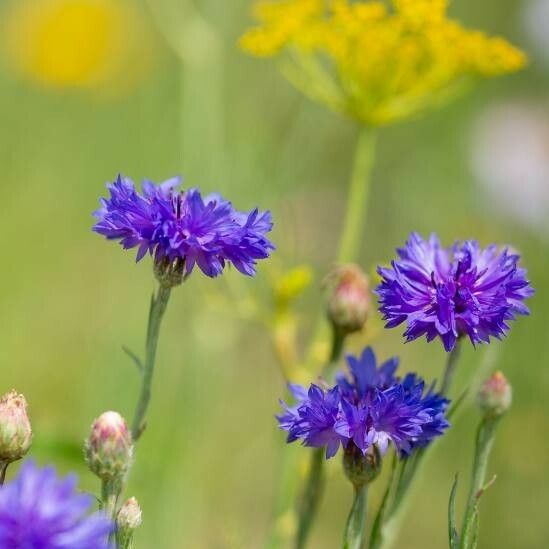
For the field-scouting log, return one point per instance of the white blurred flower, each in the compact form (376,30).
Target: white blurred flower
(510,159)
(535,16)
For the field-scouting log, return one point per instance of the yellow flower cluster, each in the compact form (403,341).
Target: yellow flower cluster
(94,44)
(374,62)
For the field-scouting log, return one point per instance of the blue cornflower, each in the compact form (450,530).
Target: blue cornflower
(39,510)
(373,407)
(453,292)
(183,226)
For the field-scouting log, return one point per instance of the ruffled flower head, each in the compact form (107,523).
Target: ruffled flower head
(184,227)
(39,510)
(452,292)
(371,407)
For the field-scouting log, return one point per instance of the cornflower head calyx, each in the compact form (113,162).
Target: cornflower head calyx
(40,510)
(453,292)
(182,229)
(369,410)
(375,62)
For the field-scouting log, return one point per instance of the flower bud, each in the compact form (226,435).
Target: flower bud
(15,427)
(495,395)
(109,448)
(129,516)
(361,468)
(349,300)
(169,273)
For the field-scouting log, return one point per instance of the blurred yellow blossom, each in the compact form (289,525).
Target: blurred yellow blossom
(93,44)
(291,284)
(373,61)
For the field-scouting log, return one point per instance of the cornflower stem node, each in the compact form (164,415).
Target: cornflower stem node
(359,192)
(157,309)
(450,369)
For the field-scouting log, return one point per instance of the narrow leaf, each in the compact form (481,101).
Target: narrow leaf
(134,357)
(452,530)
(457,404)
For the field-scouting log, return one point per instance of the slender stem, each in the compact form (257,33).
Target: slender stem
(348,248)
(355,532)
(484,442)
(312,497)
(338,341)
(408,469)
(450,369)
(314,484)
(3,469)
(158,307)
(110,492)
(359,191)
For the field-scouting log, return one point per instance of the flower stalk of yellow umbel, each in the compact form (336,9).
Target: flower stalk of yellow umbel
(374,63)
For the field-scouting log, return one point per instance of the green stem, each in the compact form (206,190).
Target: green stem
(408,469)
(158,307)
(312,497)
(110,492)
(450,370)
(124,539)
(314,484)
(349,244)
(484,442)
(355,529)
(359,191)
(338,340)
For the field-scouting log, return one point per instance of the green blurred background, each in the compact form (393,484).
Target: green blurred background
(160,89)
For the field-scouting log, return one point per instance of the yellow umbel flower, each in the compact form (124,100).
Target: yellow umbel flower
(374,62)
(76,43)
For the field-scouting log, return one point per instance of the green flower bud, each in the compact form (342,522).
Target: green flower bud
(129,516)
(127,520)
(109,448)
(361,468)
(495,395)
(15,427)
(349,299)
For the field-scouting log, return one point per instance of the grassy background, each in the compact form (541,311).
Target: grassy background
(206,470)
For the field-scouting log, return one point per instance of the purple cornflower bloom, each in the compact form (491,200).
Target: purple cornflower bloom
(453,292)
(183,226)
(372,407)
(39,510)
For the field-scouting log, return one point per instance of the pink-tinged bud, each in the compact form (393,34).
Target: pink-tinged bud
(109,448)
(349,300)
(15,427)
(129,516)
(127,520)
(495,395)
